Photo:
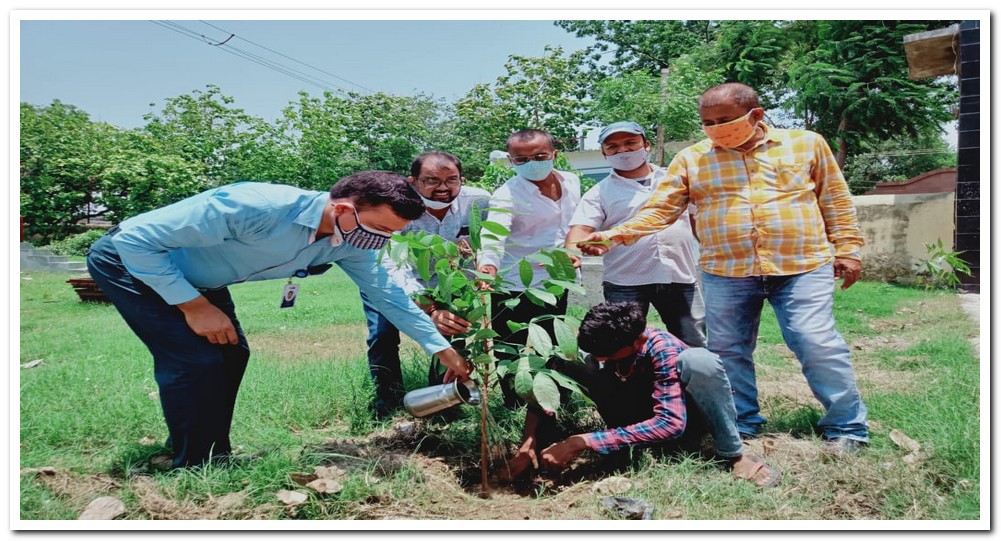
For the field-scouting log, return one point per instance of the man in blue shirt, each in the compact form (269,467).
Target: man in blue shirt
(167,272)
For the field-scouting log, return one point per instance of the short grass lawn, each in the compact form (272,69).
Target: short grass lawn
(91,424)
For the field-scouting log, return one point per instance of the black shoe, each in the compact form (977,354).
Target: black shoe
(382,410)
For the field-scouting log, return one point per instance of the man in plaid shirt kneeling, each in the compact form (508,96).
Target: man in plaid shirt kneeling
(645,383)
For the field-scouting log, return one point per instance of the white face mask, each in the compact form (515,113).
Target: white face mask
(435,205)
(627,161)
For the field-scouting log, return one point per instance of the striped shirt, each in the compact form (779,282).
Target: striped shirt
(775,209)
(657,358)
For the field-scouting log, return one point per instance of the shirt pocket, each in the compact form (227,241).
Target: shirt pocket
(793,177)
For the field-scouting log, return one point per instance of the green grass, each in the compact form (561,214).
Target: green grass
(86,408)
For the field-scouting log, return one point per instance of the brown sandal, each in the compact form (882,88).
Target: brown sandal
(761,474)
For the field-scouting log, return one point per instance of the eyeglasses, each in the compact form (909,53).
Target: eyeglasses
(434,182)
(521,160)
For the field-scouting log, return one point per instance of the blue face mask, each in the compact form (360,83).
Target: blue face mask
(533,170)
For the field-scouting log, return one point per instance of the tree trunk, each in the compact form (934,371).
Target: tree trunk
(842,151)
(488,347)
(658,151)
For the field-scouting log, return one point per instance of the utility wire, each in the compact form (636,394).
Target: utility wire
(237,52)
(290,58)
(257,59)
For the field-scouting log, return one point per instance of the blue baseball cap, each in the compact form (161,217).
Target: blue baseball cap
(624,126)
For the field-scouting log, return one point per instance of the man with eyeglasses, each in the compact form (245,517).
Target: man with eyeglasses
(535,206)
(437,177)
(658,269)
(167,271)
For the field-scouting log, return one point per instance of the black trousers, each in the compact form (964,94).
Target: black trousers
(197,381)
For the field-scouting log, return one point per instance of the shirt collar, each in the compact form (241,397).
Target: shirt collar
(656,173)
(312,215)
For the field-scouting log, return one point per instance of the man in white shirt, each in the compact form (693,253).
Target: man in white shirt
(437,178)
(535,206)
(658,269)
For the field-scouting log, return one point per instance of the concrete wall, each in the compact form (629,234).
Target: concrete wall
(896,229)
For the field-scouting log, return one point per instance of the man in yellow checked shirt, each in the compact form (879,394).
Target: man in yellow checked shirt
(771,203)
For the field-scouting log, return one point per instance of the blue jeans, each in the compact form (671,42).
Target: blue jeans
(679,305)
(803,306)
(705,382)
(197,381)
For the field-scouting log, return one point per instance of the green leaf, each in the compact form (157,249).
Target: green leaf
(538,340)
(398,252)
(484,334)
(525,272)
(504,348)
(441,267)
(540,257)
(503,367)
(475,224)
(540,297)
(566,339)
(476,314)
(572,286)
(523,381)
(516,326)
(512,303)
(562,267)
(445,286)
(563,380)
(424,266)
(495,228)
(547,394)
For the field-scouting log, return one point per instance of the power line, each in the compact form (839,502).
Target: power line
(257,59)
(290,58)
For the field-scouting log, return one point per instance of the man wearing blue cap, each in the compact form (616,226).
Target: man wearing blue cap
(658,269)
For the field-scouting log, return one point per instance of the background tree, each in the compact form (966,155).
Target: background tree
(653,47)
(137,178)
(648,46)
(202,127)
(853,87)
(898,159)
(62,156)
(757,54)
(653,101)
(548,92)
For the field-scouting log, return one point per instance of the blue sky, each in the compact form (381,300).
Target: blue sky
(114,69)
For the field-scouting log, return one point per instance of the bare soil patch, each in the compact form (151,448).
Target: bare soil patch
(321,345)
